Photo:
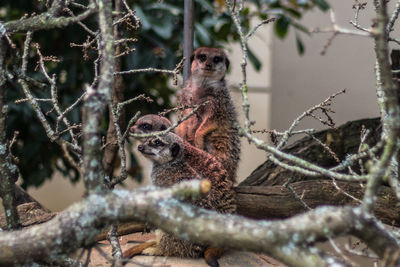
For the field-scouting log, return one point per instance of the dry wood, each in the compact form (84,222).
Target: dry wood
(277,202)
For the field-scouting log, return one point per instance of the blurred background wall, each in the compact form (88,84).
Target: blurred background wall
(300,82)
(287,85)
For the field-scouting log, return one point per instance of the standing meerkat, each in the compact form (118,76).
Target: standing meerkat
(213,128)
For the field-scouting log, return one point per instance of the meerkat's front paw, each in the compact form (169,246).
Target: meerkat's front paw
(152,250)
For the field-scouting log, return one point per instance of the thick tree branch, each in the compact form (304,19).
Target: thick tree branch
(80,224)
(96,102)
(388,98)
(8,170)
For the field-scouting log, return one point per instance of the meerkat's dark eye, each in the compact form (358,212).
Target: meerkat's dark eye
(163,127)
(146,126)
(175,148)
(217,59)
(202,57)
(158,142)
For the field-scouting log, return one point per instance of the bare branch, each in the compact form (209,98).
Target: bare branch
(393,18)
(47,20)
(387,90)
(8,170)
(175,72)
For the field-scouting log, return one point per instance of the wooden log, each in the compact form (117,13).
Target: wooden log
(278,202)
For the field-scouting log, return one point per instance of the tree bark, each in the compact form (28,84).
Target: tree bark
(8,170)
(111,149)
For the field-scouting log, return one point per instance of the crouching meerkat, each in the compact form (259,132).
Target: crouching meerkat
(175,160)
(213,128)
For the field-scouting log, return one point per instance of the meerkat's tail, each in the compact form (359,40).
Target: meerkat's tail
(211,256)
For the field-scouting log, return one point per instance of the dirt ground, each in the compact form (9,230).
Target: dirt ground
(101,256)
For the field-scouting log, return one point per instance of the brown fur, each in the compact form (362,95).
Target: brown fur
(212,128)
(175,160)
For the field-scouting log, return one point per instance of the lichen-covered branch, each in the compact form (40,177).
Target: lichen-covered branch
(388,99)
(80,224)
(116,252)
(8,170)
(47,20)
(96,102)
(393,17)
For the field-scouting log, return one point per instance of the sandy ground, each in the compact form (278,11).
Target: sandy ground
(229,259)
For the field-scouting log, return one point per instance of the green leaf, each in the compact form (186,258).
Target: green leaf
(322,4)
(174,10)
(254,60)
(281,27)
(163,28)
(293,12)
(143,18)
(202,34)
(299,44)
(206,6)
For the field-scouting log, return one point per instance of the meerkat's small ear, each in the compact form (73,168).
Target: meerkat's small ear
(227,62)
(191,58)
(175,148)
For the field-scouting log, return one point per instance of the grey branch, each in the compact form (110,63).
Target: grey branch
(390,116)
(8,170)
(96,102)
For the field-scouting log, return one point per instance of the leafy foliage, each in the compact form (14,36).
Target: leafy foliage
(159,45)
